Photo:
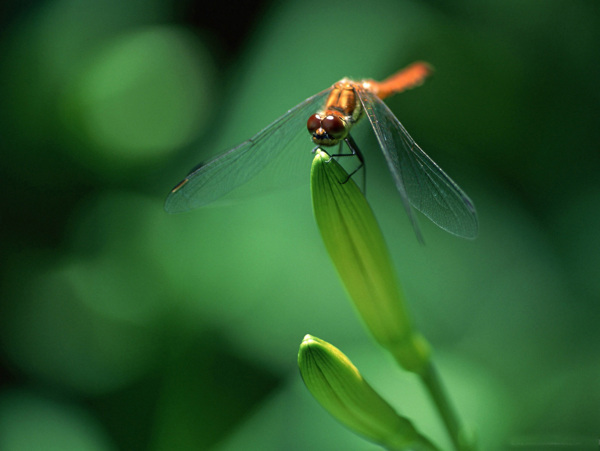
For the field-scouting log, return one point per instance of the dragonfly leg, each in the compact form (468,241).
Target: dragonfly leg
(354,152)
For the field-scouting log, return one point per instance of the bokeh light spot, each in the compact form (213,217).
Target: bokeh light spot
(142,95)
(53,335)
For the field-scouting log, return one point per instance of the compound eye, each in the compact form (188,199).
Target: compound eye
(314,123)
(335,126)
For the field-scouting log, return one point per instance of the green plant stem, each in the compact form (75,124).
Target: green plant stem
(458,435)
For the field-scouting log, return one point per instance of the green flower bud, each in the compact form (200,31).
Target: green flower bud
(356,246)
(339,387)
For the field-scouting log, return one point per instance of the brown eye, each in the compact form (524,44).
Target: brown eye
(314,123)
(335,126)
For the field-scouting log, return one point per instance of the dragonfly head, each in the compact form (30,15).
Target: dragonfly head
(327,129)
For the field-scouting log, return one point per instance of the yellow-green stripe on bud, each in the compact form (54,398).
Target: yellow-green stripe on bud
(356,246)
(339,387)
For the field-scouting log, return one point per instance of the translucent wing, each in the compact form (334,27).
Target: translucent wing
(239,165)
(420,181)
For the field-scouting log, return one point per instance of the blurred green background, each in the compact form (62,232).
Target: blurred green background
(122,327)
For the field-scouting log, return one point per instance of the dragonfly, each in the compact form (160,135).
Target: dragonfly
(332,113)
